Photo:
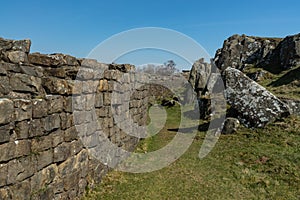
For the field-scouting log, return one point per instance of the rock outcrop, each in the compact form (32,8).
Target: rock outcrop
(272,54)
(254,106)
(240,51)
(199,76)
(286,55)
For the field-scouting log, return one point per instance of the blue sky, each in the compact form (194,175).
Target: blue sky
(76,27)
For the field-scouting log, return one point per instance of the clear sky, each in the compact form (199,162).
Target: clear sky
(76,27)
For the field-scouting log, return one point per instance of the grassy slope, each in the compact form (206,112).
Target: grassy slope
(285,84)
(253,164)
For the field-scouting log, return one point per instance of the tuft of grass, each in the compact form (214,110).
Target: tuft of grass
(252,164)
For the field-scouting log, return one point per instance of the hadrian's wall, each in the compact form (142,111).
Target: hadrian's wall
(52,110)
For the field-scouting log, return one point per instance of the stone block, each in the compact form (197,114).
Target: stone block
(5,133)
(7,151)
(52,122)
(61,152)
(66,121)
(70,134)
(17,57)
(36,127)
(23,190)
(98,100)
(43,178)
(43,143)
(67,104)
(52,60)
(57,137)
(20,169)
(54,103)
(25,83)
(89,101)
(39,108)
(75,147)
(4,85)
(103,85)
(57,86)
(67,167)
(22,148)
(3,175)
(107,97)
(44,159)
(23,109)
(89,86)
(6,111)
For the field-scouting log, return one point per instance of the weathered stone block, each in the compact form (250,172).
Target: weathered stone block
(54,103)
(5,133)
(39,108)
(66,167)
(3,175)
(52,60)
(103,85)
(20,169)
(22,148)
(89,87)
(98,100)
(23,109)
(41,143)
(4,85)
(6,111)
(43,178)
(23,190)
(26,83)
(36,127)
(78,102)
(17,57)
(44,159)
(7,151)
(70,134)
(52,122)
(66,120)
(61,152)
(56,72)
(107,98)
(57,137)
(75,147)
(89,101)
(68,104)
(57,86)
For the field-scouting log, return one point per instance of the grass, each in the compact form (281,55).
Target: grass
(284,84)
(252,164)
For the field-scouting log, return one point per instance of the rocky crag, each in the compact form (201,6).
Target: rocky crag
(245,62)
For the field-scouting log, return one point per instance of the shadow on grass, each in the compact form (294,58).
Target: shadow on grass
(201,127)
(287,78)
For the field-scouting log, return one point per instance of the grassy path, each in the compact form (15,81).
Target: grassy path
(253,164)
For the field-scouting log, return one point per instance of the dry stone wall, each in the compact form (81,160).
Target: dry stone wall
(42,153)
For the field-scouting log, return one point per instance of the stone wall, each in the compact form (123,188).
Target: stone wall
(48,103)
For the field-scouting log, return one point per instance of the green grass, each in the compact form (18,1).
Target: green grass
(252,164)
(284,84)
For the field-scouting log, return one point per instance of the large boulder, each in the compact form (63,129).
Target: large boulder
(253,105)
(230,126)
(286,55)
(239,51)
(199,75)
